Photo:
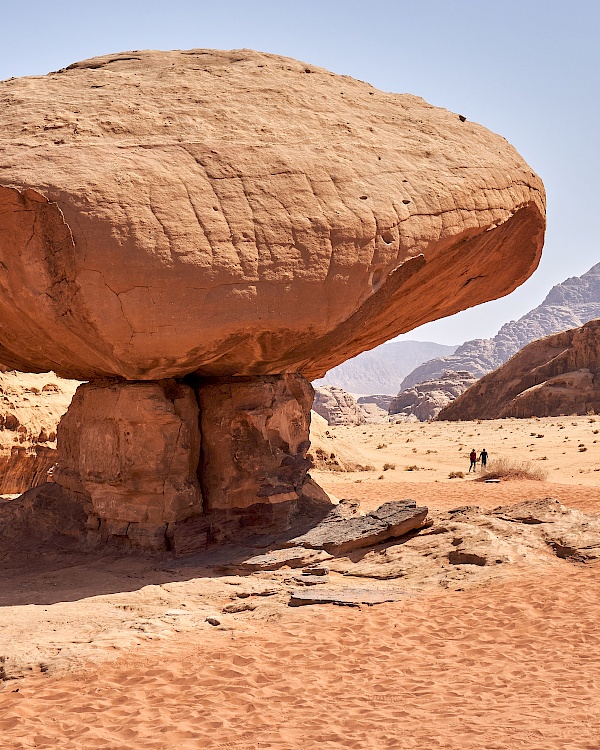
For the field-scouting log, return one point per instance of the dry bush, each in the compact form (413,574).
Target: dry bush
(456,475)
(413,467)
(506,468)
(389,466)
(382,445)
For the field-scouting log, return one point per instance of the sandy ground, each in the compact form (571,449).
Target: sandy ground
(117,653)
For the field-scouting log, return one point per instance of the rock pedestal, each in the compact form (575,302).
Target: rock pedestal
(142,456)
(255,437)
(129,452)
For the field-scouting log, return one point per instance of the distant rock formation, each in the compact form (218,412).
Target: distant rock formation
(382,369)
(376,408)
(337,407)
(567,305)
(425,400)
(553,376)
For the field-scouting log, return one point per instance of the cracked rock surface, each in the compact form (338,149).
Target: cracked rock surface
(239,213)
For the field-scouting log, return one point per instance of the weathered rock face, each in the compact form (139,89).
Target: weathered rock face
(555,375)
(425,400)
(30,408)
(255,437)
(237,213)
(231,215)
(337,406)
(130,451)
(376,407)
(568,305)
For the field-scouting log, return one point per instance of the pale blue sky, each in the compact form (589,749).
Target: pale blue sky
(527,69)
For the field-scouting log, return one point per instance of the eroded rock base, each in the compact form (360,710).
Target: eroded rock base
(149,460)
(129,452)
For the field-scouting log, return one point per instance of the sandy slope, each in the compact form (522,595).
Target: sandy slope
(122,656)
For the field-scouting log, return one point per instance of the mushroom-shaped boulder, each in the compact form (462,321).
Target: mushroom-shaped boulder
(234,218)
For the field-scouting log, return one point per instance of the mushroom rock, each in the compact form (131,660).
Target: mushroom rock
(228,215)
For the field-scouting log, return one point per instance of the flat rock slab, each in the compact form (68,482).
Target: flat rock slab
(293,557)
(348,597)
(338,535)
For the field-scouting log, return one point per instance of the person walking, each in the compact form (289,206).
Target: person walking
(483,457)
(473,457)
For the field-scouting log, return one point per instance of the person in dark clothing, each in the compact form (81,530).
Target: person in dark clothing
(483,457)
(473,457)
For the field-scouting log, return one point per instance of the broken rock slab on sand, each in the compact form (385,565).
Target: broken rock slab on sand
(348,597)
(338,535)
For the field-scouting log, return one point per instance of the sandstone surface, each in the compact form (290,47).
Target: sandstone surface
(552,376)
(244,222)
(567,305)
(425,400)
(30,408)
(236,213)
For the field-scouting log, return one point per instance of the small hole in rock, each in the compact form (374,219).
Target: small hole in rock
(364,197)
(387,237)
(406,202)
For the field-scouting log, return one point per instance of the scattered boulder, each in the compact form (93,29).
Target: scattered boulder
(424,401)
(291,557)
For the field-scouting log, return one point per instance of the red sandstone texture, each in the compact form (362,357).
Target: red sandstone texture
(553,376)
(244,221)
(238,213)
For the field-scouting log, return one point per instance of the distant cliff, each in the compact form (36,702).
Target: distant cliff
(553,376)
(568,305)
(382,369)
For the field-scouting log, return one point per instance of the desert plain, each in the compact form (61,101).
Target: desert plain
(149,652)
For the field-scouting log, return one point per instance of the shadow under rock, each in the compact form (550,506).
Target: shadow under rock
(44,558)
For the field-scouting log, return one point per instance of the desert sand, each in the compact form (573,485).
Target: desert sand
(106,651)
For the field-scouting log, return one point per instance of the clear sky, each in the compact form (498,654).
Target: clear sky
(527,69)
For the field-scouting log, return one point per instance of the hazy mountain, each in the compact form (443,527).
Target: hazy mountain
(382,369)
(568,305)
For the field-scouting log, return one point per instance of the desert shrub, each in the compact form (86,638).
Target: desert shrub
(413,467)
(507,468)
(456,475)
(582,449)
(389,466)
(382,445)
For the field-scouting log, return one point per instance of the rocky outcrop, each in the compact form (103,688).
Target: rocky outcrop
(255,437)
(375,407)
(382,369)
(425,400)
(130,452)
(567,305)
(270,223)
(556,375)
(337,406)
(30,408)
